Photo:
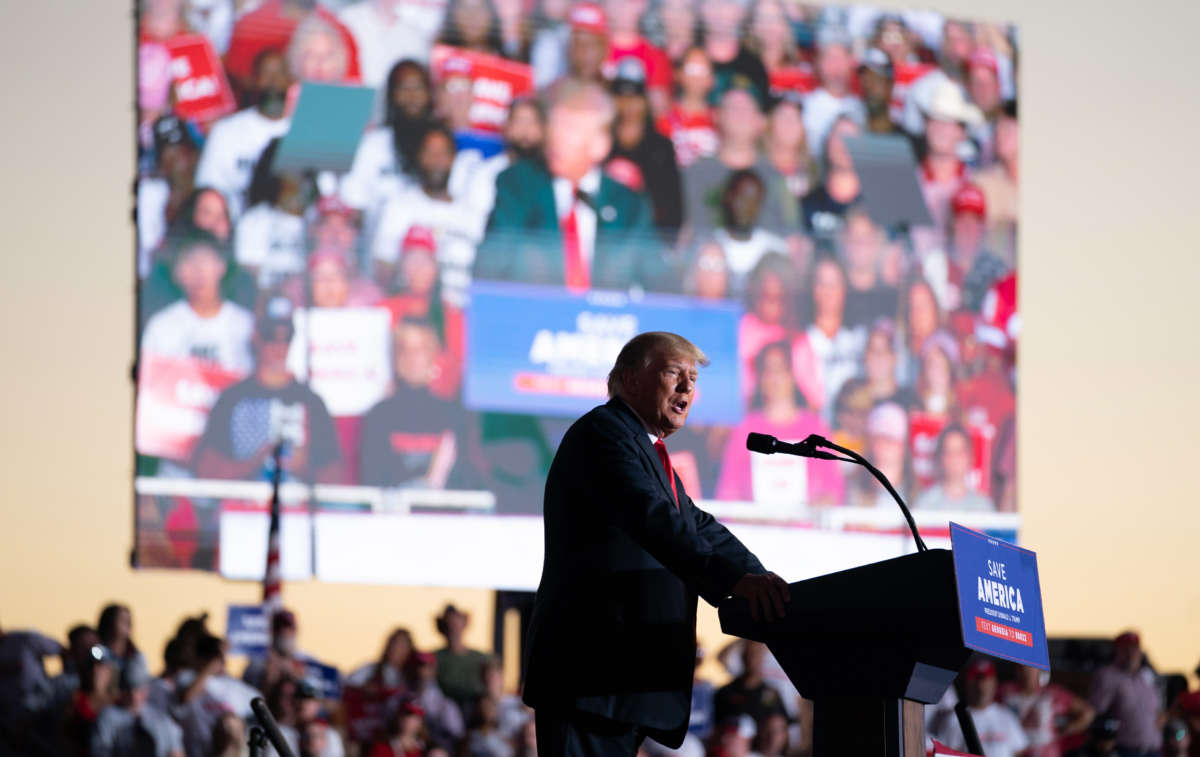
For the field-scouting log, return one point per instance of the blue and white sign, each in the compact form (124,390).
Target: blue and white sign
(248,630)
(546,351)
(999,598)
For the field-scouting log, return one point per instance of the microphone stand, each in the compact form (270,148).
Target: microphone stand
(266,730)
(813,441)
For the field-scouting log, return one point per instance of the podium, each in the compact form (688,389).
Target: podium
(870,646)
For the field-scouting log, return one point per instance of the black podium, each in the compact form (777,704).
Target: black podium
(869,646)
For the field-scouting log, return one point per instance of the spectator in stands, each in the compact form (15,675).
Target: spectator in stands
(25,689)
(485,738)
(270,240)
(272,26)
(824,208)
(937,380)
(648,155)
(388,671)
(412,437)
(1102,739)
(942,170)
(626,41)
(689,122)
(311,736)
(1127,689)
(207,210)
(707,274)
(955,490)
(472,25)
(407,735)
(741,125)
(132,726)
(229,737)
(886,448)
(741,235)
(829,351)
(983,88)
(320,51)
(997,726)
(772,295)
(204,326)
(677,23)
(282,659)
(834,98)
(733,65)
(920,318)
(442,714)
(851,408)
(777,408)
(252,416)
(868,297)
(97,691)
(115,629)
(787,149)
(332,282)
(1049,713)
(769,35)
(1177,740)
(388,31)
(511,712)
(748,694)
(548,52)
(999,185)
(430,204)
(732,737)
(587,47)
(565,221)
(877,78)
(162,195)
(973,268)
(516,36)
(196,710)
(771,738)
(459,668)
(879,365)
(524,139)
(336,227)
(235,142)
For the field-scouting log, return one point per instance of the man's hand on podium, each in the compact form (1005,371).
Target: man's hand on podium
(766,594)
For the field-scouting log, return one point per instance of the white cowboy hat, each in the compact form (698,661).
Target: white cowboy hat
(948,103)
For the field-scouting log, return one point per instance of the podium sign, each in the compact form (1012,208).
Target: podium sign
(999,598)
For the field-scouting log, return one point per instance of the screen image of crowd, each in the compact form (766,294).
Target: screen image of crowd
(453,701)
(538,181)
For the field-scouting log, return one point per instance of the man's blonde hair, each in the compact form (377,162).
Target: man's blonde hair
(639,352)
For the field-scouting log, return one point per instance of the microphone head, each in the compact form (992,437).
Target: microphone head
(763,443)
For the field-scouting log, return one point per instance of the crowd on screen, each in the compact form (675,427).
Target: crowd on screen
(669,146)
(109,697)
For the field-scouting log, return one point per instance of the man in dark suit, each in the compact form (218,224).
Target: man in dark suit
(564,222)
(612,642)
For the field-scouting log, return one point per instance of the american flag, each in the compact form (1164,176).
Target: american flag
(272,581)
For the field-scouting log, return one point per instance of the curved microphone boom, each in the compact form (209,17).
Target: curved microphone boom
(267,721)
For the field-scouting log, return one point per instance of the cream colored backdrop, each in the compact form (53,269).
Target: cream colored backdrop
(1110,362)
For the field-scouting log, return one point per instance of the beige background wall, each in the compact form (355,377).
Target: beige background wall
(1110,363)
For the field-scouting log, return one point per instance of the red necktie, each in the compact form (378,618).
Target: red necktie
(661,449)
(577,275)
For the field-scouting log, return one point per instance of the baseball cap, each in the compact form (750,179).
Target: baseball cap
(327,254)
(969,199)
(275,325)
(410,707)
(589,17)
(134,675)
(888,420)
(878,61)
(834,34)
(333,205)
(423,658)
(455,65)
(418,238)
(630,77)
(283,618)
(171,130)
(1128,638)
(981,668)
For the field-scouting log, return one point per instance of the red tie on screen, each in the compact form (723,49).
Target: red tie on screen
(661,448)
(578,278)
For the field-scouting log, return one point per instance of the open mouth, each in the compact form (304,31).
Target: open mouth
(679,406)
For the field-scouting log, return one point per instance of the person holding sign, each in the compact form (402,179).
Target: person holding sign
(612,642)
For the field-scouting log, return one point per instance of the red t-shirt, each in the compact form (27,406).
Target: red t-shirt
(659,74)
(268,28)
(693,134)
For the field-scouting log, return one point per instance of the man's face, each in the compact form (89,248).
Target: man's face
(624,15)
(943,136)
(577,140)
(861,243)
(876,89)
(273,349)
(586,52)
(712,277)
(745,201)
(525,133)
(956,42)
(956,457)
(415,353)
(434,161)
(739,118)
(631,107)
(787,125)
(967,234)
(198,271)
(835,64)
(321,59)
(984,88)
(330,284)
(178,163)
(271,82)
(662,393)
(336,231)
(981,691)
(722,18)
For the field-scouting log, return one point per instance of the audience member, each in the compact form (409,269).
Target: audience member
(443,715)
(834,98)
(787,149)
(587,45)
(1049,713)
(472,25)
(771,738)
(868,297)
(459,668)
(955,488)
(769,35)
(162,195)
(998,728)
(1126,689)
(132,726)
(626,41)
(270,240)
(321,50)
(97,691)
(689,121)
(388,31)
(879,366)
(272,26)
(973,268)
(877,78)
(920,317)
(742,238)
(999,184)
(825,207)
(733,65)
(1102,739)
(942,169)
(407,735)
(332,281)
(524,139)
(282,658)
(886,445)
(115,630)
(706,275)
(748,694)
(511,712)
(388,671)
(829,351)
(548,51)
(772,294)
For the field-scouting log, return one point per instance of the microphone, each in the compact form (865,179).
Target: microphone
(267,721)
(768,445)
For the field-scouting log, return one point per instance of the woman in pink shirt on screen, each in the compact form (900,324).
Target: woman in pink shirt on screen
(778,408)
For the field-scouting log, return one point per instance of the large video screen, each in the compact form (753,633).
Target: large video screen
(404,240)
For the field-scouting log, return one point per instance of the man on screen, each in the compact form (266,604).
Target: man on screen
(564,221)
(612,641)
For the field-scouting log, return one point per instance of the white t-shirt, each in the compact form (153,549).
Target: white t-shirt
(480,190)
(741,255)
(821,109)
(223,340)
(271,241)
(999,730)
(383,38)
(838,359)
(232,149)
(453,229)
(152,196)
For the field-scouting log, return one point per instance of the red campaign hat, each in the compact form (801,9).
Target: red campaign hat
(981,669)
(423,658)
(412,708)
(1129,638)
(324,254)
(984,58)
(969,199)
(333,205)
(589,17)
(455,65)
(419,238)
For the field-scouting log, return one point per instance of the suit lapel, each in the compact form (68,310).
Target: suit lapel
(642,439)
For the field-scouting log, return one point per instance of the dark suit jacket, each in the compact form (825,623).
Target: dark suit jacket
(524,241)
(613,630)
